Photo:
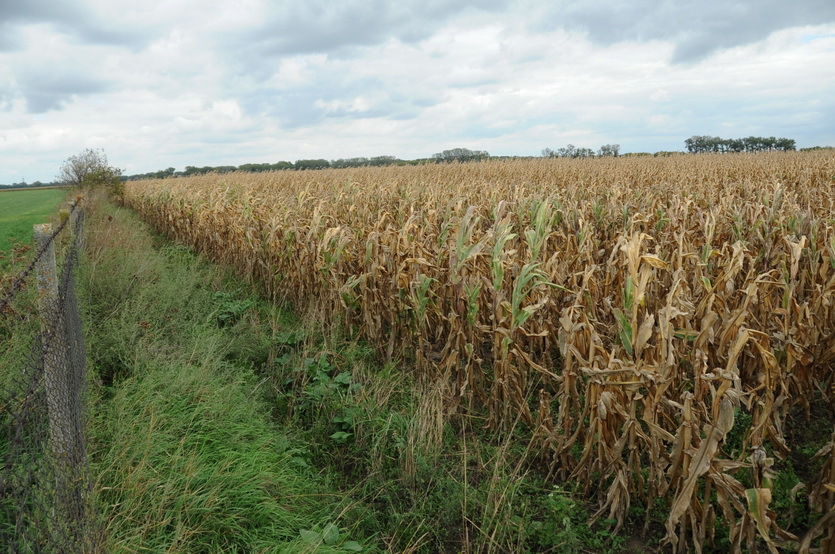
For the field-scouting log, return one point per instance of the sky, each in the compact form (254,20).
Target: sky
(170,83)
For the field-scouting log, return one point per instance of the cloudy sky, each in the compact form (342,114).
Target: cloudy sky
(225,82)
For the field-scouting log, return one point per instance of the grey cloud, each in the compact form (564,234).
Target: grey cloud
(317,26)
(327,96)
(697,28)
(300,109)
(9,37)
(50,90)
(6,98)
(44,101)
(37,10)
(71,18)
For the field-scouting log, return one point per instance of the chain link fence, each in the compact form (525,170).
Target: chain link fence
(45,489)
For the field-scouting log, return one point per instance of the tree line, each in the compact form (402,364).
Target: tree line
(460,155)
(25,185)
(298,165)
(695,144)
(447,156)
(571,151)
(702,144)
(91,167)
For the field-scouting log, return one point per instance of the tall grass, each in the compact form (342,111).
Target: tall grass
(185,455)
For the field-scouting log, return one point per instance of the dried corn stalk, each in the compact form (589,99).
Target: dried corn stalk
(644,302)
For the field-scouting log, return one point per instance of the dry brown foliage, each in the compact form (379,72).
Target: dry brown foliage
(626,309)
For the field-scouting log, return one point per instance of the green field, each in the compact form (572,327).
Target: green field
(20,209)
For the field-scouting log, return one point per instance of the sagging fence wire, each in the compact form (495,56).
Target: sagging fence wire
(45,489)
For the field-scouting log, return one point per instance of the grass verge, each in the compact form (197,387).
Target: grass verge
(185,456)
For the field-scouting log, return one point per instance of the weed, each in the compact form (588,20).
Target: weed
(185,456)
(229,309)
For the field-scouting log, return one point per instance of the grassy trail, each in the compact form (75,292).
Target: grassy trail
(183,450)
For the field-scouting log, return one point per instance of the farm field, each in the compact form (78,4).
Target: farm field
(656,330)
(20,210)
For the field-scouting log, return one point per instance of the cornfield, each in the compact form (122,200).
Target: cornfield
(662,325)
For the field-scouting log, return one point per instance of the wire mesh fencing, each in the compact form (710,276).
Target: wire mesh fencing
(45,489)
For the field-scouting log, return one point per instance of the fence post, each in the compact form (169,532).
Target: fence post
(46,272)
(62,441)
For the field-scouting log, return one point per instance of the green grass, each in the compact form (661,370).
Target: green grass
(184,451)
(21,209)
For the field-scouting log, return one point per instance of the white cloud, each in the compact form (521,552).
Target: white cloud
(188,82)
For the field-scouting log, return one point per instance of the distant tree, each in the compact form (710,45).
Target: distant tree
(255,168)
(700,144)
(736,145)
(161,174)
(566,152)
(461,155)
(786,144)
(384,160)
(364,162)
(311,164)
(571,151)
(752,144)
(192,170)
(89,168)
(350,162)
(612,150)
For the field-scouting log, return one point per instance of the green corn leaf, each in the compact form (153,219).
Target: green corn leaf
(625,331)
